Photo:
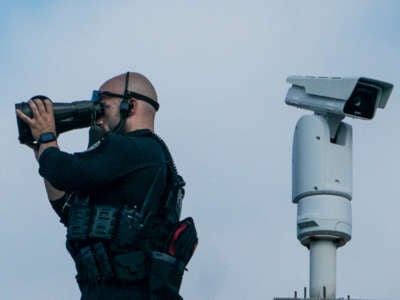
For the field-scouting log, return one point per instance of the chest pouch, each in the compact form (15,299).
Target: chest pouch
(128,232)
(78,219)
(103,224)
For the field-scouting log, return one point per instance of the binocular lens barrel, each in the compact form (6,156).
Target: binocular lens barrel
(68,116)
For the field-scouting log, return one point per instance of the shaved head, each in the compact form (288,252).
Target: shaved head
(142,113)
(138,83)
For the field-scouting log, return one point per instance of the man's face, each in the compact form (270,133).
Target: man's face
(111,117)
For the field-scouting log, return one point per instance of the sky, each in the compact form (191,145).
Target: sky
(219,68)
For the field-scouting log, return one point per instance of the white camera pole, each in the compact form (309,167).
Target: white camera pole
(322,190)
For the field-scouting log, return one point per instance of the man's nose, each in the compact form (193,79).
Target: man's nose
(99,121)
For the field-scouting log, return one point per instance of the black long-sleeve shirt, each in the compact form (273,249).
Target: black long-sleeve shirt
(121,169)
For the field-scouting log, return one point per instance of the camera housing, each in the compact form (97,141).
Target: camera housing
(356,97)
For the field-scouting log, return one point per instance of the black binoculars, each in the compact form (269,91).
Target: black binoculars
(68,116)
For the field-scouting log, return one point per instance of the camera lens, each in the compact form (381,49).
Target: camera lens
(362,102)
(357,101)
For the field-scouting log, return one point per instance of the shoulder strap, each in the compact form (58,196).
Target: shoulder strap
(172,204)
(170,161)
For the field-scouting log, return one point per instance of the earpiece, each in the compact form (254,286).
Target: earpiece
(125,108)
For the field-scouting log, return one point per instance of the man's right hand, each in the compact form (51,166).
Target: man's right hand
(43,117)
(42,121)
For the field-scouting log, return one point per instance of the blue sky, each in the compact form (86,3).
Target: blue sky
(219,68)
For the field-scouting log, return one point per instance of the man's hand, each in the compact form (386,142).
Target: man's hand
(43,117)
(41,122)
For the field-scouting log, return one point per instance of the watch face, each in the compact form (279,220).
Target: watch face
(47,137)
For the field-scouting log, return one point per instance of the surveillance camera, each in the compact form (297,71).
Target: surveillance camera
(343,96)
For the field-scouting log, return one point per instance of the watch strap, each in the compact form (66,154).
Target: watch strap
(46,137)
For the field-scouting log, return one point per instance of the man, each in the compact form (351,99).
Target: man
(120,199)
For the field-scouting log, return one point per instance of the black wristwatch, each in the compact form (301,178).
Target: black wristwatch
(46,138)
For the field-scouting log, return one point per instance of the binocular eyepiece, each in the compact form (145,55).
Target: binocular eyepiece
(68,116)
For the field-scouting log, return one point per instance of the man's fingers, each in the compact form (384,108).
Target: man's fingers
(49,106)
(34,108)
(24,117)
(40,106)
